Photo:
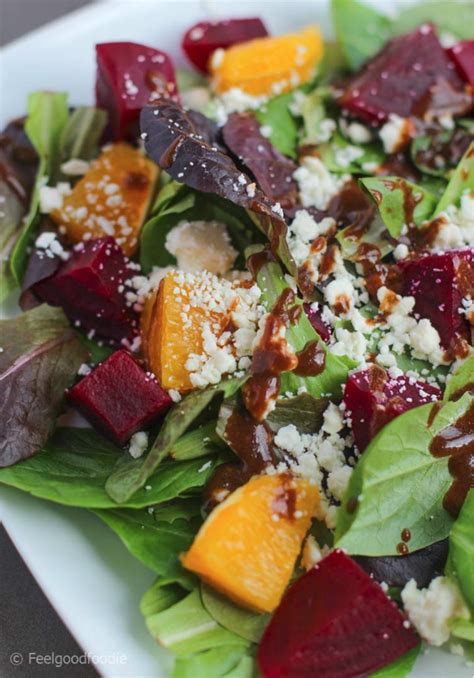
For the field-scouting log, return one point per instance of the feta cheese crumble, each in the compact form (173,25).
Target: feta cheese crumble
(394,133)
(430,610)
(316,184)
(201,245)
(138,444)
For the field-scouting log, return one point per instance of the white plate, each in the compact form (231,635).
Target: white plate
(89,577)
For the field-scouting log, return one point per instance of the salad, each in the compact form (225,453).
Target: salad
(245,340)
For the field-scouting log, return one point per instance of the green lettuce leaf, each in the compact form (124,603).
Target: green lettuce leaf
(153,537)
(400,484)
(272,283)
(47,119)
(284,129)
(221,662)
(304,411)
(244,623)
(73,466)
(461,550)
(130,476)
(81,135)
(401,667)
(461,378)
(11,215)
(198,443)
(375,234)
(361,30)
(186,627)
(332,154)
(449,16)
(461,180)
(40,357)
(394,197)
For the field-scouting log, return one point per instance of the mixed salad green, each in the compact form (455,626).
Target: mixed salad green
(254,281)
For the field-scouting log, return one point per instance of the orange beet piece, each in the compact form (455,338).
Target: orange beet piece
(111,199)
(268,66)
(248,546)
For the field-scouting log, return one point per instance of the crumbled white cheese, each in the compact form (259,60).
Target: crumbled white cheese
(314,456)
(316,184)
(393,133)
(235,100)
(401,330)
(302,233)
(201,245)
(430,610)
(138,444)
(455,225)
(357,133)
(51,197)
(174,395)
(75,167)
(48,242)
(346,155)
(401,251)
(84,370)
(340,291)
(352,344)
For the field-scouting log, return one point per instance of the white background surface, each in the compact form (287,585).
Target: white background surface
(87,574)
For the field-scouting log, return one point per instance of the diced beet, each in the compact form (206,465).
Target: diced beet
(87,286)
(202,39)
(403,78)
(316,320)
(439,281)
(130,76)
(422,566)
(463,56)
(119,398)
(334,622)
(373,398)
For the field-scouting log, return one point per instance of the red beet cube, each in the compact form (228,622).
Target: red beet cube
(373,398)
(202,39)
(130,76)
(119,398)
(334,622)
(400,79)
(316,320)
(463,56)
(438,282)
(87,287)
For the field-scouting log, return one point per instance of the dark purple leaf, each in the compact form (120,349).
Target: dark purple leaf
(422,566)
(184,144)
(272,170)
(40,358)
(40,267)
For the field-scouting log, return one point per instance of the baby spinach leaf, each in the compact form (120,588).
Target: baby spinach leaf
(40,357)
(462,379)
(11,214)
(463,628)
(399,202)
(400,485)
(272,283)
(276,115)
(438,154)
(304,411)
(342,157)
(220,662)
(249,625)
(376,234)
(155,542)
(361,31)
(47,118)
(80,137)
(187,627)
(73,466)
(461,550)
(448,16)
(197,443)
(401,667)
(462,180)
(130,476)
